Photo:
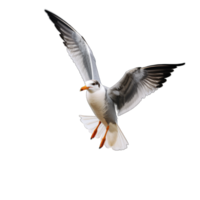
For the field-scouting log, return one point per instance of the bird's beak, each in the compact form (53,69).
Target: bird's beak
(84,88)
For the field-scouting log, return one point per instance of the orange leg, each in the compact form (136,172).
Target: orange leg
(104,138)
(95,131)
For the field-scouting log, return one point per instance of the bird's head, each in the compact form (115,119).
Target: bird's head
(91,86)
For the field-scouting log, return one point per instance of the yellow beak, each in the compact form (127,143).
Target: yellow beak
(84,88)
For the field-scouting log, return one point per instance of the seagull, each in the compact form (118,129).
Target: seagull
(122,97)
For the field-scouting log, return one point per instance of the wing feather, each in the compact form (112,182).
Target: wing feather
(137,83)
(77,48)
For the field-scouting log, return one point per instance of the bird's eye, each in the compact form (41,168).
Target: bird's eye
(93,83)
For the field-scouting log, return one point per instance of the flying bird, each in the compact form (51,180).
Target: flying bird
(127,93)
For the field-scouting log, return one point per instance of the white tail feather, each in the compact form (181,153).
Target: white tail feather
(114,139)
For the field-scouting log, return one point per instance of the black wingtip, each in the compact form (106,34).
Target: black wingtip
(48,12)
(45,10)
(181,64)
(184,64)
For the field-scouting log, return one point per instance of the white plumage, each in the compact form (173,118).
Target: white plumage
(115,138)
(135,85)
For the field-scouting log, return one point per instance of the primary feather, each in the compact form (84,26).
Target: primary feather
(137,83)
(77,47)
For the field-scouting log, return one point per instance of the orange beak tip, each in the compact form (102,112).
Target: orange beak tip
(84,88)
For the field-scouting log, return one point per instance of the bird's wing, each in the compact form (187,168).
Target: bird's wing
(137,83)
(77,47)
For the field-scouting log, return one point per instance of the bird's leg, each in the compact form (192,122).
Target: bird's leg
(95,131)
(104,138)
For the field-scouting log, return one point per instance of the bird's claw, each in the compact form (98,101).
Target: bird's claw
(102,142)
(99,147)
(91,138)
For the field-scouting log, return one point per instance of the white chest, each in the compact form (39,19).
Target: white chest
(96,101)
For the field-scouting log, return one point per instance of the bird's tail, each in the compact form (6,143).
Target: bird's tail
(114,139)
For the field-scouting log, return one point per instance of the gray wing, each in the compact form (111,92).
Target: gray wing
(77,47)
(137,83)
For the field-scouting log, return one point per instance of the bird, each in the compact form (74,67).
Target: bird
(107,103)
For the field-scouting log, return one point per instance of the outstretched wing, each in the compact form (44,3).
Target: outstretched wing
(77,47)
(137,83)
